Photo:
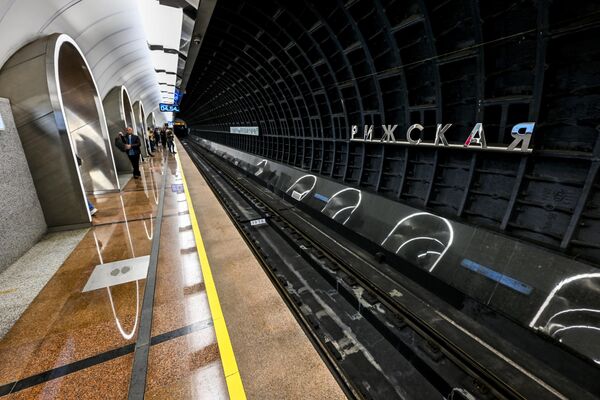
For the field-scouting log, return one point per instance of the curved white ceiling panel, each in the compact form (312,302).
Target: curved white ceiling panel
(110,33)
(164,42)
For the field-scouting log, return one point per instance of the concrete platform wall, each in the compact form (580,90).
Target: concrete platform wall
(22,222)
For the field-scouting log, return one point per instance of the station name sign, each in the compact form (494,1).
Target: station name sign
(521,134)
(244,130)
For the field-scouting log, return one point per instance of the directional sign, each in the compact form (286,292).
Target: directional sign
(168,107)
(177,97)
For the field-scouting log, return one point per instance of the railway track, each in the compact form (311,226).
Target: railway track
(379,339)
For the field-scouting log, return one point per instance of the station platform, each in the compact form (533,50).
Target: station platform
(161,298)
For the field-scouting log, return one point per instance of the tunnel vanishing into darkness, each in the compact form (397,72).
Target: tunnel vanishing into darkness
(305,72)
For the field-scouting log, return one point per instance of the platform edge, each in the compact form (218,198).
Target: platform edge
(235,386)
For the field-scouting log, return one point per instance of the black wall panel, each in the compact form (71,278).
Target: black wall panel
(304,72)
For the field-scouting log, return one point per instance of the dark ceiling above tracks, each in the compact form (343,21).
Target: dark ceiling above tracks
(306,71)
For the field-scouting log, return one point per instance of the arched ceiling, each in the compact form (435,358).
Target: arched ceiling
(304,72)
(109,32)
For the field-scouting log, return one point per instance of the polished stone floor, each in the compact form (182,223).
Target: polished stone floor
(21,282)
(74,344)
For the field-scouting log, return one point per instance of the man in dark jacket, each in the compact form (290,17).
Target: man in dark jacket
(171,141)
(132,148)
(163,136)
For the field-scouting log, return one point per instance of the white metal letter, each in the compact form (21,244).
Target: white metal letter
(388,133)
(477,136)
(439,134)
(368,132)
(524,137)
(409,131)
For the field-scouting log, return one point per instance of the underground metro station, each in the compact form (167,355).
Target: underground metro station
(276,199)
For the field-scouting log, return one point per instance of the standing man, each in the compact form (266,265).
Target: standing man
(132,148)
(157,138)
(150,141)
(163,136)
(171,140)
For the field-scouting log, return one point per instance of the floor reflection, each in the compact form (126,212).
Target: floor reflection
(126,335)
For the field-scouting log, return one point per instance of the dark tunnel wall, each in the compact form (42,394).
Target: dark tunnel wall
(304,72)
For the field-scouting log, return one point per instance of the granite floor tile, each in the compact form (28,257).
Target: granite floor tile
(118,207)
(108,380)
(179,286)
(60,324)
(177,314)
(202,384)
(64,325)
(21,282)
(188,357)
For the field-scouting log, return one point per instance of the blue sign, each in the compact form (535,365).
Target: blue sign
(168,107)
(177,97)
(319,196)
(497,276)
(177,188)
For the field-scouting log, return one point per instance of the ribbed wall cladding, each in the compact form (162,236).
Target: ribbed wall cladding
(304,72)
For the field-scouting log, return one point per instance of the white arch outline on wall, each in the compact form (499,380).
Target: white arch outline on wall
(261,169)
(571,310)
(354,207)
(450,229)
(560,285)
(303,194)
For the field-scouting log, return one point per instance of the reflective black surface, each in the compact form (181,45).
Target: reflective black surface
(552,294)
(306,72)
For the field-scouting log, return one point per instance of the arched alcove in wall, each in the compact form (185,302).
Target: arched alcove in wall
(151,120)
(140,117)
(59,116)
(119,115)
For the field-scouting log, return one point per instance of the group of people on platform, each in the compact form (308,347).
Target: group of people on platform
(165,136)
(130,144)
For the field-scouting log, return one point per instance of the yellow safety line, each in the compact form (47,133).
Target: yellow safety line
(230,368)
